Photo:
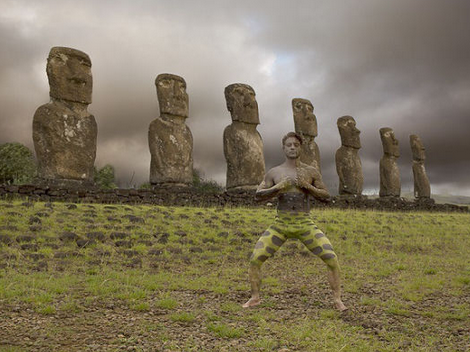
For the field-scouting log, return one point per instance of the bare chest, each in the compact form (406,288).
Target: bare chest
(285,173)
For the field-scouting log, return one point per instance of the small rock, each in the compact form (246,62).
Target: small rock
(5,239)
(24,238)
(99,236)
(29,247)
(119,235)
(82,243)
(68,236)
(121,243)
(222,234)
(163,238)
(155,252)
(34,220)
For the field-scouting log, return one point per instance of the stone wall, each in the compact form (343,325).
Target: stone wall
(194,197)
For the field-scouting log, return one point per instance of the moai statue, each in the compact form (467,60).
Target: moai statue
(305,123)
(243,146)
(389,174)
(348,163)
(170,140)
(422,188)
(64,132)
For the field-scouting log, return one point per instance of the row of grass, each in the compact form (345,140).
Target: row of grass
(402,268)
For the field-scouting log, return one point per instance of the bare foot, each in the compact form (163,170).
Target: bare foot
(251,302)
(339,305)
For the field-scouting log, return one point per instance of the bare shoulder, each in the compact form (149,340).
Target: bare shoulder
(275,171)
(273,175)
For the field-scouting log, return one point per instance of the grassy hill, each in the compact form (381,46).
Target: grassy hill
(453,199)
(82,277)
(439,198)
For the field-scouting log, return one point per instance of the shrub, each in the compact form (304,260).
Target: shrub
(203,185)
(104,177)
(17,164)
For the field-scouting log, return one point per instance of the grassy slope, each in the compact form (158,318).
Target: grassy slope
(173,279)
(442,198)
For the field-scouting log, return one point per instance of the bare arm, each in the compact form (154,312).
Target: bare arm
(317,188)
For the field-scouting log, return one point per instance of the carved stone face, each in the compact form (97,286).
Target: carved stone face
(172,96)
(389,142)
(304,119)
(348,132)
(69,73)
(417,148)
(241,103)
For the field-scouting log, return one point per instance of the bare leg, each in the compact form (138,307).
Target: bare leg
(335,284)
(255,281)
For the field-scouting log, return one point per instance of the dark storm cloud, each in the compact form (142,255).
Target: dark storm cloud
(401,64)
(397,64)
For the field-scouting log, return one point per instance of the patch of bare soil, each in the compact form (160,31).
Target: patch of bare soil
(112,326)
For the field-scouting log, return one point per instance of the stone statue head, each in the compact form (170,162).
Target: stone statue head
(389,142)
(417,148)
(172,96)
(69,73)
(241,103)
(304,119)
(348,132)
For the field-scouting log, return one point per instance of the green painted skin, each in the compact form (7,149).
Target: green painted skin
(292,225)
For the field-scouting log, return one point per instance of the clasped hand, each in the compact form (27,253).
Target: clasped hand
(289,182)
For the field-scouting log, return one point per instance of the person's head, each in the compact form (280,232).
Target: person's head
(242,104)
(389,142)
(348,132)
(304,119)
(69,74)
(172,96)
(291,144)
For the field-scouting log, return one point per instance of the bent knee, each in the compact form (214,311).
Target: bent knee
(258,260)
(331,260)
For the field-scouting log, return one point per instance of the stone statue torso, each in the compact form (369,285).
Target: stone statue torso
(349,169)
(171,145)
(389,177)
(243,150)
(422,188)
(65,142)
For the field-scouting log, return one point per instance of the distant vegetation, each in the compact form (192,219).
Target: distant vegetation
(204,185)
(104,178)
(17,164)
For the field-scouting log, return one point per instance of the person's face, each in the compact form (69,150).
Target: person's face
(304,119)
(70,78)
(291,148)
(243,105)
(172,96)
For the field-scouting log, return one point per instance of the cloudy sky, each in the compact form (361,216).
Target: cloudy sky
(403,64)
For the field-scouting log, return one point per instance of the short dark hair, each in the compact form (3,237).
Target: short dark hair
(292,134)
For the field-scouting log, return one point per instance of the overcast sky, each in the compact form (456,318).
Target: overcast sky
(403,64)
